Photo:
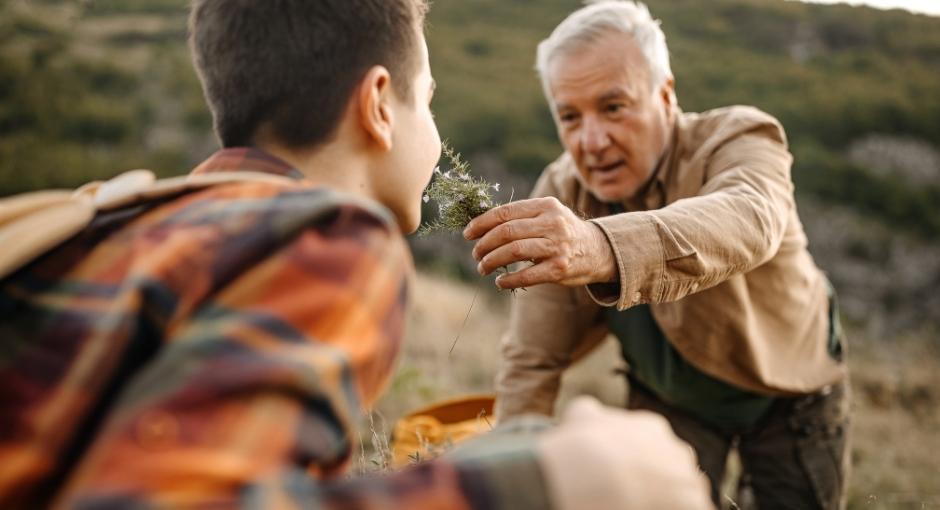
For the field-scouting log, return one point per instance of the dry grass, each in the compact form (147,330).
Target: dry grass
(896,452)
(428,369)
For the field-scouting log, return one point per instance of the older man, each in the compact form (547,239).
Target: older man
(677,233)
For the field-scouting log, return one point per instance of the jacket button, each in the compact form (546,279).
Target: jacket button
(637,297)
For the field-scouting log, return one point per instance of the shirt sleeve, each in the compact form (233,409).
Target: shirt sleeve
(548,325)
(254,398)
(736,223)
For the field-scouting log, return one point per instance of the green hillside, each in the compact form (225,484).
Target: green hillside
(90,87)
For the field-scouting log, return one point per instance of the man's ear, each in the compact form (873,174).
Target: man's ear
(375,112)
(667,93)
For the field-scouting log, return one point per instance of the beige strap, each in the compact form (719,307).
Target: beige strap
(140,186)
(33,223)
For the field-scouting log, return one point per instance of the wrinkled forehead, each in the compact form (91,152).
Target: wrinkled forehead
(610,61)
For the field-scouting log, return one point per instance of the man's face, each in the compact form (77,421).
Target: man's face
(609,118)
(416,147)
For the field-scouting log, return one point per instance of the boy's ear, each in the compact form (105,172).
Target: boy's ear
(375,112)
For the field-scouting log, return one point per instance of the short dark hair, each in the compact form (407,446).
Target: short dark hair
(292,65)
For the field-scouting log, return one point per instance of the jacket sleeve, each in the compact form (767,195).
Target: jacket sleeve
(254,400)
(548,325)
(735,223)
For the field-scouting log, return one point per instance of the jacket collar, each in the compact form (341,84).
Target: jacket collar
(247,159)
(653,195)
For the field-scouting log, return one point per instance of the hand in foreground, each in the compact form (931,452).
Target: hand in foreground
(564,248)
(603,458)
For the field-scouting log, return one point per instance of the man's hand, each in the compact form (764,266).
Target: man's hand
(564,248)
(603,458)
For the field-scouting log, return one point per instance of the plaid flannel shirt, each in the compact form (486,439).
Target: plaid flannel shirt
(215,349)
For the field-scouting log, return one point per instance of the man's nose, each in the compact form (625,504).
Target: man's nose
(594,137)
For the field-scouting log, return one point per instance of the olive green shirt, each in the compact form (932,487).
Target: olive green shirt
(656,365)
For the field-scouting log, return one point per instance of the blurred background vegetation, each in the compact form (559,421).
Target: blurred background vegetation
(89,88)
(92,87)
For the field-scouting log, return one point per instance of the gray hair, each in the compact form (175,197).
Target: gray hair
(601,17)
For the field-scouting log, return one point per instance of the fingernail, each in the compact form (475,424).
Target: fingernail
(466,233)
(480,270)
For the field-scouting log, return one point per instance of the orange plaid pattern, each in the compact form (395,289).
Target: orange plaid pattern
(214,350)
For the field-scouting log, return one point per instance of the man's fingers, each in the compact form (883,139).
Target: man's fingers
(516,251)
(515,230)
(508,212)
(547,271)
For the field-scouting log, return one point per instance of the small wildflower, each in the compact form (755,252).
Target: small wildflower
(496,187)
(426,198)
(459,195)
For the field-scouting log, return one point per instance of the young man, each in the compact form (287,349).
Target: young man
(215,347)
(692,255)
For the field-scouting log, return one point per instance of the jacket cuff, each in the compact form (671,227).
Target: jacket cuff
(638,250)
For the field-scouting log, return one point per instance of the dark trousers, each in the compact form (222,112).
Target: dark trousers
(795,457)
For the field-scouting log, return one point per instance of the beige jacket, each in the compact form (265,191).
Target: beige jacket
(716,248)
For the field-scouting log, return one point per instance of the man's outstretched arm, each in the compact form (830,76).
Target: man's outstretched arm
(736,223)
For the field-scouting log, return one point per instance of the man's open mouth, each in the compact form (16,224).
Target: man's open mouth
(608,168)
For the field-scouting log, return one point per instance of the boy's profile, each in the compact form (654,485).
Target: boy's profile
(215,348)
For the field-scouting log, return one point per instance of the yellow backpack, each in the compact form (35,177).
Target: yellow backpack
(430,431)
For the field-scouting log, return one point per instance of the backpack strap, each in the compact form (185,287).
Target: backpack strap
(31,224)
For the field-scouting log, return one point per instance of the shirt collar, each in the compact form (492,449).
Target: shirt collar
(653,195)
(668,159)
(247,159)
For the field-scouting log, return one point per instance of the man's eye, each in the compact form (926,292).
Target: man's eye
(613,108)
(568,117)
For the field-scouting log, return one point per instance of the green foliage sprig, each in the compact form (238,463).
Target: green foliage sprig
(460,196)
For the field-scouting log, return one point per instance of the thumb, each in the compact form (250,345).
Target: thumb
(583,408)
